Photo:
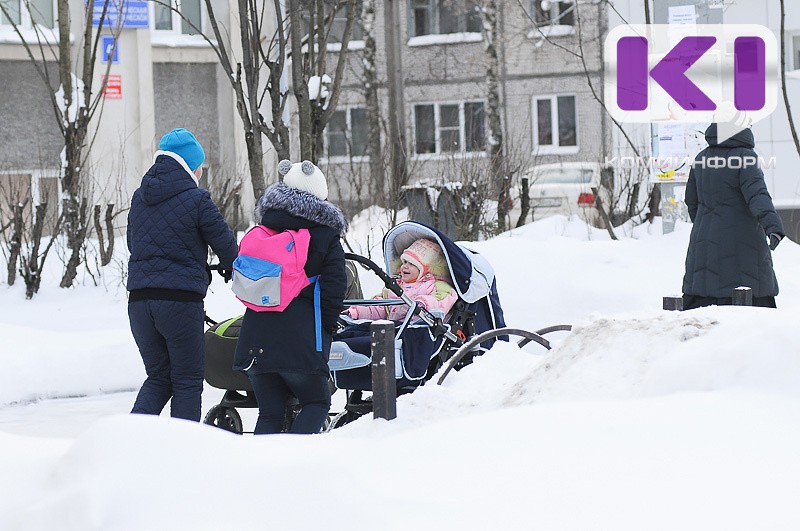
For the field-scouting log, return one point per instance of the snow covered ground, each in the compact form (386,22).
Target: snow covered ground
(638,419)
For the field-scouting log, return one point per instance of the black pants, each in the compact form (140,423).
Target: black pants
(696,301)
(272,389)
(169,335)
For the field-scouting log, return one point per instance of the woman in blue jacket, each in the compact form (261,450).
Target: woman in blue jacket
(171,225)
(278,350)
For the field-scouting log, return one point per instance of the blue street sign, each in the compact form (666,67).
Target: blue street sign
(108,45)
(126,13)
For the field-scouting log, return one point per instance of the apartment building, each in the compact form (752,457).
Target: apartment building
(550,62)
(166,74)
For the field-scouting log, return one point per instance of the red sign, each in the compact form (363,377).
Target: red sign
(113,89)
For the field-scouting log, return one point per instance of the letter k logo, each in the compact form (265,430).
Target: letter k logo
(669,73)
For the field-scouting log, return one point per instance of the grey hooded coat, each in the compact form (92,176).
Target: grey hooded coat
(732,214)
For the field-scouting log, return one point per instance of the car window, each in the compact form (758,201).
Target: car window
(563,176)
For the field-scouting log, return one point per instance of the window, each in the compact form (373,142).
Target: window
(187,20)
(27,14)
(555,124)
(795,63)
(346,134)
(550,13)
(340,10)
(449,128)
(439,17)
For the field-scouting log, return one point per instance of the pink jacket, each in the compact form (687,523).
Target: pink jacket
(432,294)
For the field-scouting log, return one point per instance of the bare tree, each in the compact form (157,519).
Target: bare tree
(309,61)
(495,148)
(33,259)
(377,166)
(75,106)
(262,52)
(258,53)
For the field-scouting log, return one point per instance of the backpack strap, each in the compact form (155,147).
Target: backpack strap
(317,312)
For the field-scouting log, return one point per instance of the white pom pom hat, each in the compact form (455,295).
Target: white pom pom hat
(304,176)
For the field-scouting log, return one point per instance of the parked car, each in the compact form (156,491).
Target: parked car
(567,188)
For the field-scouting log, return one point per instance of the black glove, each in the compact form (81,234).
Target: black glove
(774,239)
(208,272)
(226,274)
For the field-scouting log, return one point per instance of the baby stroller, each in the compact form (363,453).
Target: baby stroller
(424,340)
(220,346)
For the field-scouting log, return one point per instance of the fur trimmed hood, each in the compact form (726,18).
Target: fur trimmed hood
(303,205)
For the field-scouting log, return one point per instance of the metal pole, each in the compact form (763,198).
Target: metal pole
(743,296)
(384,387)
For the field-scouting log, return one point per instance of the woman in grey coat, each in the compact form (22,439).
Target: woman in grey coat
(733,218)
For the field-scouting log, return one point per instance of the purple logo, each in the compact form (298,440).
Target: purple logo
(690,73)
(670,73)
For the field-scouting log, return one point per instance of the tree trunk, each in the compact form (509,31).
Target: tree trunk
(15,245)
(32,265)
(525,202)
(495,149)
(377,178)
(397,119)
(250,35)
(299,81)
(255,161)
(75,217)
(106,253)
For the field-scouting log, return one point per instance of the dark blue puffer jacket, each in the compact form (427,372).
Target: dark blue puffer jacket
(171,224)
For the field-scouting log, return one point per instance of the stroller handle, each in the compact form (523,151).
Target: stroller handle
(439,328)
(372,266)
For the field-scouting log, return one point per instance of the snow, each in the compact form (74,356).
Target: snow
(318,87)
(638,419)
(445,38)
(76,102)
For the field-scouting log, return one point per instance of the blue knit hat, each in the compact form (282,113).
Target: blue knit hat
(184,143)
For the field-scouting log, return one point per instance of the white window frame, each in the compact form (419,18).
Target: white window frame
(177,22)
(462,125)
(548,28)
(349,134)
(9,35)
(553,149)
(435,22)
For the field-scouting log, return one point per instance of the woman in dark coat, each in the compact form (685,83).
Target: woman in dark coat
(733,218)
(277,350)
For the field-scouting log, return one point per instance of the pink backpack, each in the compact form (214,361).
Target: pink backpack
(269,272)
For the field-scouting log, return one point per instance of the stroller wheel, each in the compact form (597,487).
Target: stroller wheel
(339,420)
(226,418)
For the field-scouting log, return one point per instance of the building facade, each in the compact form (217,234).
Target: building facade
(164,74)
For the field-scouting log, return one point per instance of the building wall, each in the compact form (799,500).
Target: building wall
(167,81)
(185,95)
(29,134)
(434,72)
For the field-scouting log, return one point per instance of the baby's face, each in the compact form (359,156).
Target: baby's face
(408,272)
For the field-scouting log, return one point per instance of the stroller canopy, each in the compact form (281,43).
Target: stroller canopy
(472,275)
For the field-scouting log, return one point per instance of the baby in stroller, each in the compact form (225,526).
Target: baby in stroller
(423,276)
